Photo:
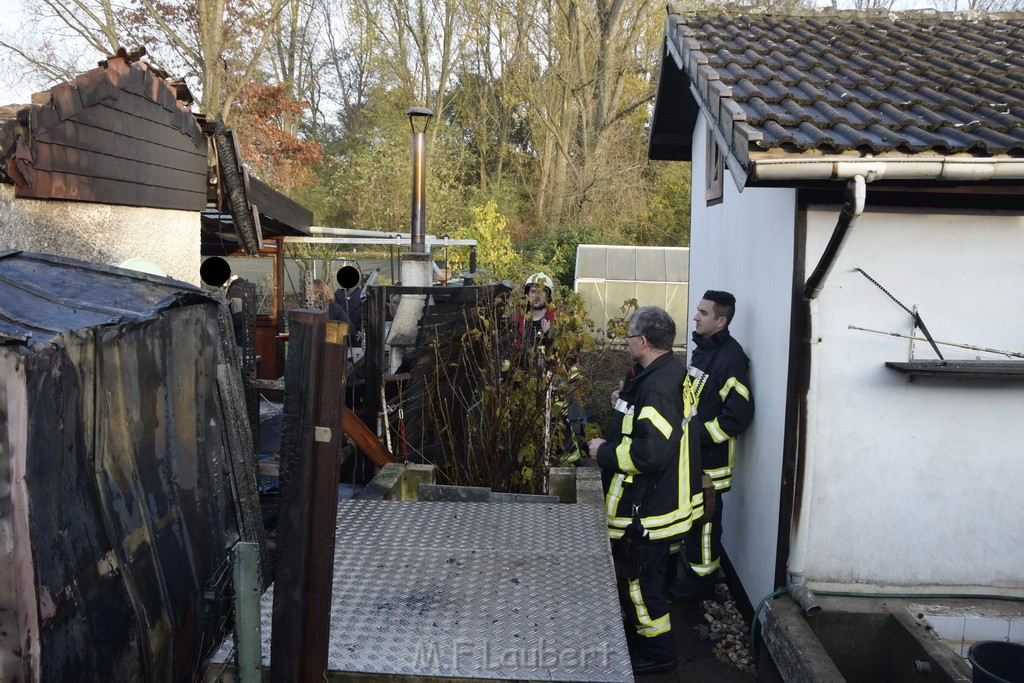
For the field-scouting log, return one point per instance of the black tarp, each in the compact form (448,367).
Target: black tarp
(125,492)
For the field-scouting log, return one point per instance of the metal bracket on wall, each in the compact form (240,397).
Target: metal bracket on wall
(913,313)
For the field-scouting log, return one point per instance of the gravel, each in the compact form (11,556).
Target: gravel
(726,628)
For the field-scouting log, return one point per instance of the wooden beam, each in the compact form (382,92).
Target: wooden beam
(326,468)
(363,437)
(291,579)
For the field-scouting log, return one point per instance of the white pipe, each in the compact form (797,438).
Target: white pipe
(353,232)
(966,169)
(387,235)
(796,563)
(389,239)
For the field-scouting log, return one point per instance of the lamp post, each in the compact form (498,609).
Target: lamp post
(417,265)
(419,117)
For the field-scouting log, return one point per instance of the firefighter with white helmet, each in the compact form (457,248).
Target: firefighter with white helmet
(534,338)
(534,326)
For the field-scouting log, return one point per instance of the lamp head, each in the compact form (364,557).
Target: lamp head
(419,117)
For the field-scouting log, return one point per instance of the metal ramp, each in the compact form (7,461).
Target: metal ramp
(474,591)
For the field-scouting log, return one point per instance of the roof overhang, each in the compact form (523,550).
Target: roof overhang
(689,89)
(680,101)
(675,112)
(250,213)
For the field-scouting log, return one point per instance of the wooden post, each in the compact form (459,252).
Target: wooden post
(279,310)
(375,313)
(247,611)
(310,470)
(328,437)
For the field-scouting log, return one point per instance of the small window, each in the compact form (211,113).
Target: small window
(715,171)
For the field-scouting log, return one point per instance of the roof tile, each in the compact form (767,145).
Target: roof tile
(849,138)
(909,82)
(994,138)
(896,118)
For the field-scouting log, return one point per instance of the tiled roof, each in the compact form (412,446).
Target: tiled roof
(847,83)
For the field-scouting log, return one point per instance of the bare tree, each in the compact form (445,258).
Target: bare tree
(418,44)
(979,5)
(219,42)
(49,44)
(348,73)
(298,55)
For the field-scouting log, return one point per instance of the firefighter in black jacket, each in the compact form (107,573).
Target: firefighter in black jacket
(650,468)
(717,377)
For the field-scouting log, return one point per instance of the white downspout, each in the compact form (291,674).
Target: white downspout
(796,563)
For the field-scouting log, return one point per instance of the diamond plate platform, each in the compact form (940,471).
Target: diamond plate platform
(472,591)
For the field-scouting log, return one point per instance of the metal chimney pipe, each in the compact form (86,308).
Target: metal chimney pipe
(419,117)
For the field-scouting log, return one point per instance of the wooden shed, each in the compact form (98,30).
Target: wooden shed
(119,495)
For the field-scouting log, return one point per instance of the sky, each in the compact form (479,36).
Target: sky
(20,93)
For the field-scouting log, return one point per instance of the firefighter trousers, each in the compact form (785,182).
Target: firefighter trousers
(645,608)
(703,547)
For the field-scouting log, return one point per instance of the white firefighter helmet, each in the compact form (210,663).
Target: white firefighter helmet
(542,280)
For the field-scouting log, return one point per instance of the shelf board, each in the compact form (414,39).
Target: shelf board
(975,369)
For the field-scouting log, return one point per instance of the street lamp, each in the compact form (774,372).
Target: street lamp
(419,117)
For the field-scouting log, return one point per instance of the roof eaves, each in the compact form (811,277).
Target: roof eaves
(962,128)
(886,167)
(713,97)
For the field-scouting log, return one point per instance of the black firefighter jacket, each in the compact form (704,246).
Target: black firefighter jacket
(725,405)
(646,460)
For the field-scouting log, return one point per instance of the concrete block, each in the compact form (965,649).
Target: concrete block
(588,487)
(397,481)
(523,498)
(456,494)
(794,648)
(562,483)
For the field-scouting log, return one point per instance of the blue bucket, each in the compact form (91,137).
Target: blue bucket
(996,661)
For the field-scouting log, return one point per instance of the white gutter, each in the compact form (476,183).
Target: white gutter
(964,169)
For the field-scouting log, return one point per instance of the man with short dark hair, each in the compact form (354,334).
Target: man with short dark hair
(717,377)
(650,469)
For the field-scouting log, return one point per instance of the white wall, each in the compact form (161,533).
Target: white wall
(916,483)
(102,233)
(745,246)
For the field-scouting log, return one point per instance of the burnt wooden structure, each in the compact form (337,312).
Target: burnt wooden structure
(449,314)
(126,472)
(125,134)
(118,134)
(310,472)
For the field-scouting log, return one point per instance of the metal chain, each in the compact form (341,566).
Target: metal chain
(886,291)
(916,316)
